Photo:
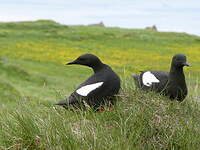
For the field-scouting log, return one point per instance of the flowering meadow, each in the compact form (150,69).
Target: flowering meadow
(133,50)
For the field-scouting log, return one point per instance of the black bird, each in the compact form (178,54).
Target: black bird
(98,90)
(171,83)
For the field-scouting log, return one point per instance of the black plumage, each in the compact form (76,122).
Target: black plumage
(170,83)
(104,77)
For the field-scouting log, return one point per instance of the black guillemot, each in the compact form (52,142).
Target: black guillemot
(171,84)
(98,90)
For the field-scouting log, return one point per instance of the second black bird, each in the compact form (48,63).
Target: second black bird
(170,83)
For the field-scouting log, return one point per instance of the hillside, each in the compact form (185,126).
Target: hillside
(34,77)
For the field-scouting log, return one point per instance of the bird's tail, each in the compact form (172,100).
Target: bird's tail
(70,105)
(62,103)
(65,104)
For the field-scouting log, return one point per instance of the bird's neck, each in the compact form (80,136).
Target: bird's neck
(176,74)
(98,67)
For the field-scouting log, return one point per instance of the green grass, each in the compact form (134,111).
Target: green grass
(34,77)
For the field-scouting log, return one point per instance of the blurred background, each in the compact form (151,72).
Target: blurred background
(167,15)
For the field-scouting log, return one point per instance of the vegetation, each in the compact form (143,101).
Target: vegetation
(34,77)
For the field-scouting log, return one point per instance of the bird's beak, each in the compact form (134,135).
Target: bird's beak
(186,64)
(71,63)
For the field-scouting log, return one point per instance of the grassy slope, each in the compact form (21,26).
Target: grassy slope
(33,77)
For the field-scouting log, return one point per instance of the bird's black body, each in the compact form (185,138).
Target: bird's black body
(157,87)
(101,95)
(171,84)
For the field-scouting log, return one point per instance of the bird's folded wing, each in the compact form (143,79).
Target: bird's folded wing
(85,90)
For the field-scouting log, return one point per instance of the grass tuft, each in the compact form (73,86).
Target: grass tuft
(139,120)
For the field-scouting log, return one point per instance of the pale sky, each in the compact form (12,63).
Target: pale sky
(167,15)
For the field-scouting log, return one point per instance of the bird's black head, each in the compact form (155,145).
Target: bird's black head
(89,60)
(179,60)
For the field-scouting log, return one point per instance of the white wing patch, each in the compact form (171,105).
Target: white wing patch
(85,90)
(148,78)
